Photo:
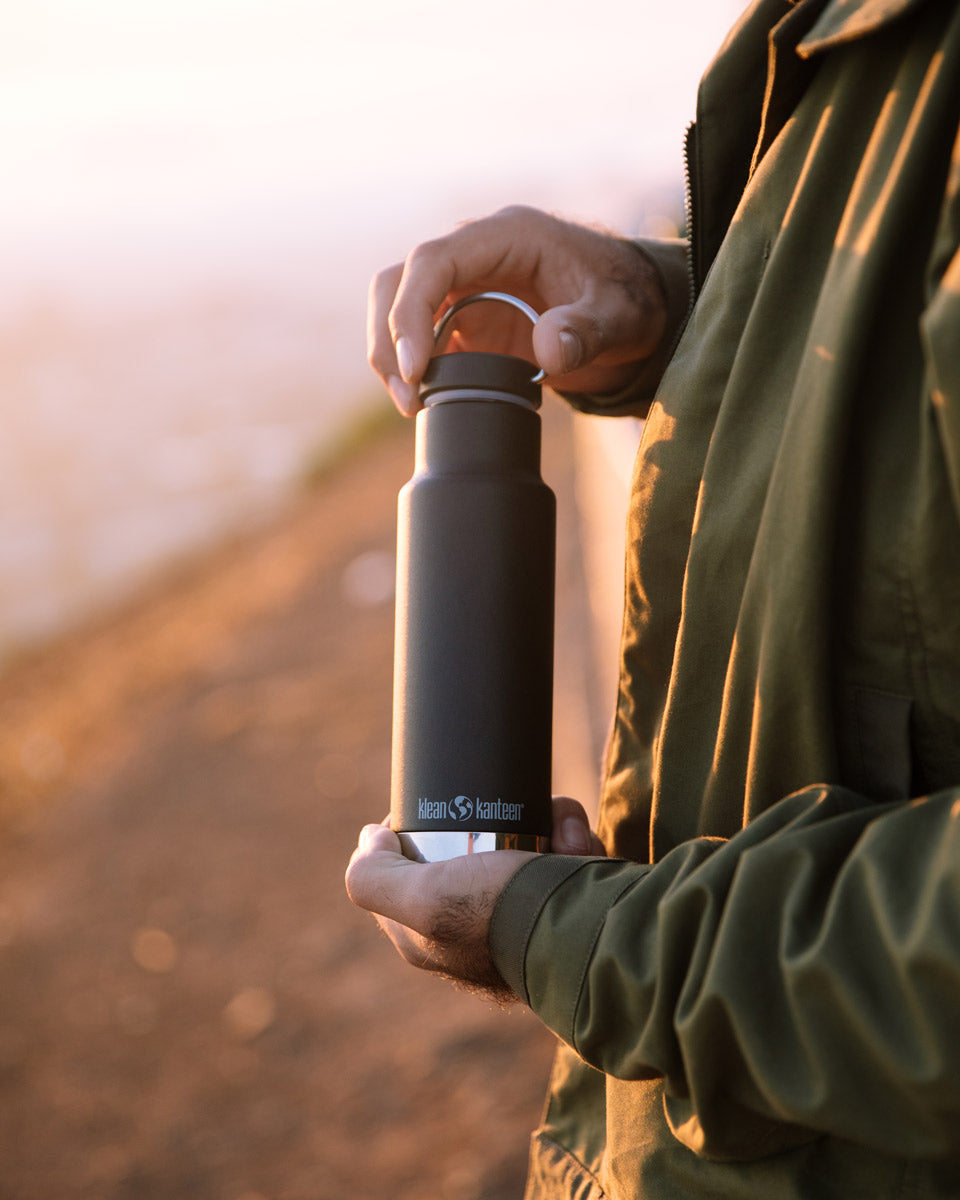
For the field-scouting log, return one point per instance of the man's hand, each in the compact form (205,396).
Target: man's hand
(601,302)
(438,914)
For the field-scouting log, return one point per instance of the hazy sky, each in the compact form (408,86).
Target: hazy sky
(133,112)
(195,193)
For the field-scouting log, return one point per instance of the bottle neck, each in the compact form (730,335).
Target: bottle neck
(479,434)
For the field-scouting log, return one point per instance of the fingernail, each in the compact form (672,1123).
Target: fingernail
(405,359)
(367,834)
(570,350)
(575,836)
(402,394)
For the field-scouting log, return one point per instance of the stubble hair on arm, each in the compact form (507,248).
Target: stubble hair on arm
(456,948)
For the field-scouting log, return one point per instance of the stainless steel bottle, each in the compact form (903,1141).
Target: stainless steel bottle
(473,677)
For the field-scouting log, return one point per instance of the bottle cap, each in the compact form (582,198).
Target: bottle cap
(472,375)
(477,375)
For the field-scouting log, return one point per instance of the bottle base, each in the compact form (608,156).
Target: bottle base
(423,845)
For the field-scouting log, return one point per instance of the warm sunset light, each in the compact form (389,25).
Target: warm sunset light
(198,482)
(155,114)
(242,169)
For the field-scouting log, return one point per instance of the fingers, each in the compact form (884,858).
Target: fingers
(602,324)
(616,318)
(571,829)
(419,895)
(415,895)
(601,302)
(379,878)
(499,251)
(436,914)
(381,350)
(406,298)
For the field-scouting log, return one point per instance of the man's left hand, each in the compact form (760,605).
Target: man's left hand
(438,914)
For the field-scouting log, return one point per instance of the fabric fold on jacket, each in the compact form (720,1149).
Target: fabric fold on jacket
(758,1000)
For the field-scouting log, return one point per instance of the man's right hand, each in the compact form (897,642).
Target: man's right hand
(601,302)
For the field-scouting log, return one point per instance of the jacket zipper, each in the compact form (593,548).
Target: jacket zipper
(690,210)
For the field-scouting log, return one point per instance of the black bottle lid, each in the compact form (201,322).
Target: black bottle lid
(463,375)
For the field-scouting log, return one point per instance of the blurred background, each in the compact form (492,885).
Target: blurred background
(197,480)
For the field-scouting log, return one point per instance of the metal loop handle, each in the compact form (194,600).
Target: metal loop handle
(504,298)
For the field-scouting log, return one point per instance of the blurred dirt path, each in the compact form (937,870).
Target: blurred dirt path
(190,1008)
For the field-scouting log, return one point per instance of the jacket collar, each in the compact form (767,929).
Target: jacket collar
(848,20)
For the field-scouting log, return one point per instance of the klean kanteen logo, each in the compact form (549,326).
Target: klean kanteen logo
(463,808)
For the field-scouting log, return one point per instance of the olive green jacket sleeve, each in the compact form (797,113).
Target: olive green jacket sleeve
(805,971)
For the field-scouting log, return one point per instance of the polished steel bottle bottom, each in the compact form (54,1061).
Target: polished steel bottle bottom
(437,845)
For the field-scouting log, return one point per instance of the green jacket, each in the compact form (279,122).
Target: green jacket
(760,998)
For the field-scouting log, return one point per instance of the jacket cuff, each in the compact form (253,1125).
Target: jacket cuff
(557,903)
(518,909)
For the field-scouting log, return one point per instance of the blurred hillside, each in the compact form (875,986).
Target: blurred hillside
(134,434)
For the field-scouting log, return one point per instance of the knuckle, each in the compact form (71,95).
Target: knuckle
(378,282)
(353,883)
(360,886)
(380,361)
(380,297)
(383,286)
(424,258)
(378,358)
(520,214)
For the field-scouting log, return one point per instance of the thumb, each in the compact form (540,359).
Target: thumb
(566,338)
(571,829)
(572,336)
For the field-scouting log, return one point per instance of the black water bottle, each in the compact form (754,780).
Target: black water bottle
(473,676)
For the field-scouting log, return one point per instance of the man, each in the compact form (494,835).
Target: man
(758,993)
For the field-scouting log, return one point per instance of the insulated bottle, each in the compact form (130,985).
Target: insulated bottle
(473,670)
